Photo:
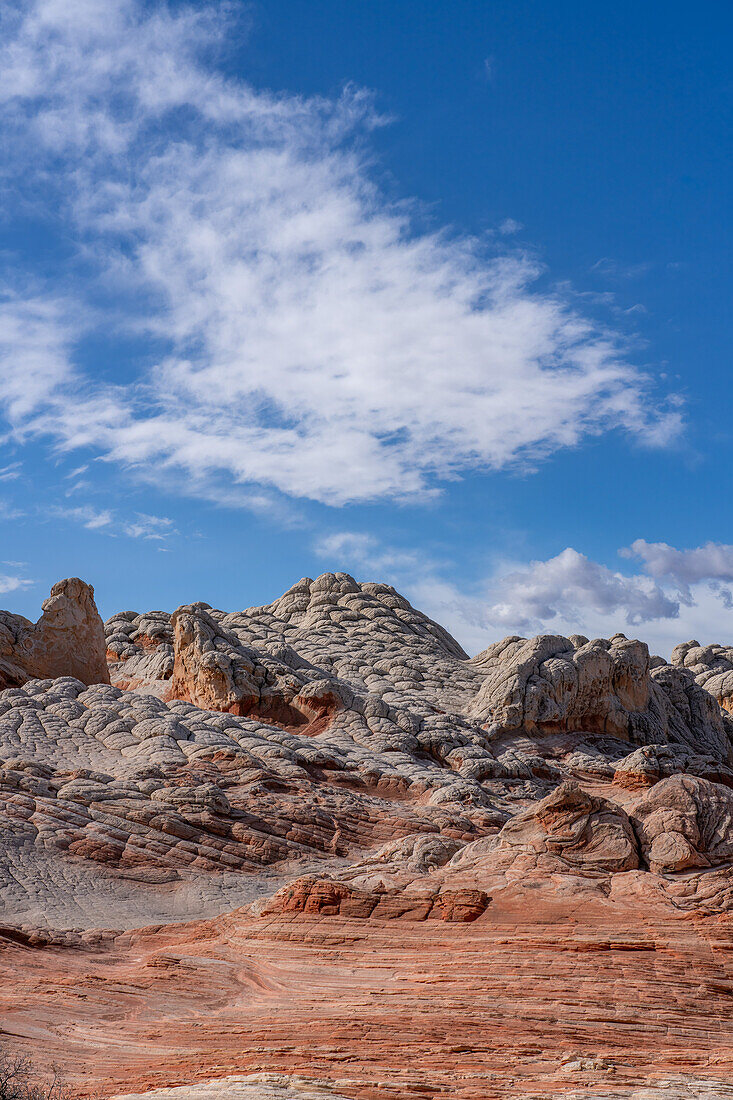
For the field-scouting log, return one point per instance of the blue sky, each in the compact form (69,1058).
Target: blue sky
(435,293)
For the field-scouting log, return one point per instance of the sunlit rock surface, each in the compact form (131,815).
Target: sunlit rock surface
(314,846)
(67,640)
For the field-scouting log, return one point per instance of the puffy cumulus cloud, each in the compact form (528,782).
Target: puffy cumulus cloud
(565,594)
(315,341)
(711,562)
(570,585)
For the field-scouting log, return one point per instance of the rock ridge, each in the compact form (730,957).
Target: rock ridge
(315,836)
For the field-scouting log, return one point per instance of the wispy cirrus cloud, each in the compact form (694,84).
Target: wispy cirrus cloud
(108,522)
(365,551)
(35,343)
(9,511)
(615,269)
(10,583)
(315,341)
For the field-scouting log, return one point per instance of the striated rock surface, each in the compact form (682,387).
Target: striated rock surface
(712,667)
(313,847)
(572,830)
(254,1086)
(550,684)
(543,996)
(67,640)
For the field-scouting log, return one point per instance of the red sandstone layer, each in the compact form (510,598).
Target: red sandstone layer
(538,996)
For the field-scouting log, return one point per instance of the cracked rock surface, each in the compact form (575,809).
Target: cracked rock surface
(712,667)
(267,842)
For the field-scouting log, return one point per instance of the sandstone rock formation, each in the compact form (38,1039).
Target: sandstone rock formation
(67,640)
(361,856)
(140,649)
(712,667)
(575,830)
(685,822)
(551,684)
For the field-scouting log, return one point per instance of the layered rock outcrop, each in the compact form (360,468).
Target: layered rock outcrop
(551,684)
(335,824)
(67,640)
(712,667)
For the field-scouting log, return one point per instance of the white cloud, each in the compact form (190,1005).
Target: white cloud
(90,518)
(9,511)
(317,344)
(570,585)
(615,269)
(565,594)
(109,523)
(145,526)
(13,584)
(364,551)
(470,613)
(35,338)
(711,562)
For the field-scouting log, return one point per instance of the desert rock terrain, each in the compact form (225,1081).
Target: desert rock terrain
(313,849)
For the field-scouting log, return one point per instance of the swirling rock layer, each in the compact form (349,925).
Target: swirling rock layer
(314,839)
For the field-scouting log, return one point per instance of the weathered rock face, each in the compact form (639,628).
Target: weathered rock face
(140,650)
(326,897)
(302,734)
(575,830)
(362,828)
(550,684)
(685,822)
(100,787)
(67,640)
(646,766)
(217,671)
(712,667)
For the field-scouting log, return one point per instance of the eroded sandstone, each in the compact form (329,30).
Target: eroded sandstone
(712,667)
(315,839)
(67,640)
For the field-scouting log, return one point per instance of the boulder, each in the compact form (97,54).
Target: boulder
(685,822)
(712,667)
(577,830)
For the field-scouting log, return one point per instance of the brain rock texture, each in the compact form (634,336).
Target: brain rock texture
(200,808)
